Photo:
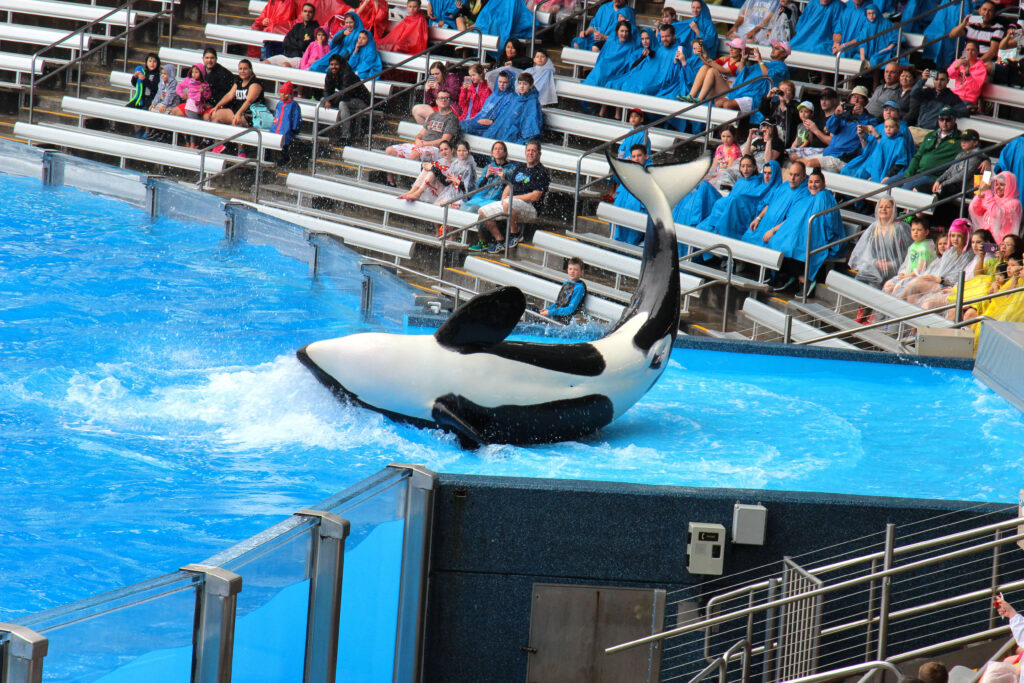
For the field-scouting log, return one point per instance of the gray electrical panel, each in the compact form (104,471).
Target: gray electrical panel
(705,548)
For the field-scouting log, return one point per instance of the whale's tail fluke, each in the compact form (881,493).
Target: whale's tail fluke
(672,182)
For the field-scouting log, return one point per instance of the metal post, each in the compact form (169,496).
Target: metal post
(326,568)
(869,621)
(366,297)
(213,637)
(958,311)
(883,607)
(412,592)
(787,329)
(21,654)
(995,580)
(769,633)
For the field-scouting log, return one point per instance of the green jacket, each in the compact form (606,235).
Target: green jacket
(932,153)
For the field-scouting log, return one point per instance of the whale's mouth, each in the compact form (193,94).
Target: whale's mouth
(323,376)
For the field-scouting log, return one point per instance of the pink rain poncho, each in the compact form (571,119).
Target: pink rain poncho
(999,215)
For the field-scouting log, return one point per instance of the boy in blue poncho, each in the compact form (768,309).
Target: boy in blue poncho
(522,120)
(817,26)
(494,105)
(287,120)
(884,156)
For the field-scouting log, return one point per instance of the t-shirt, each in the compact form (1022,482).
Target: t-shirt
(438,125)
(220,80)
(526,180)
(919,255)
(803,136)
(976,30)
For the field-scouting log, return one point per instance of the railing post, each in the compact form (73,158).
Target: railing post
(412,595)
(213,637)
(21,654)
(326,568)
(995,580)
(958,312)
(886,588)
(787,329)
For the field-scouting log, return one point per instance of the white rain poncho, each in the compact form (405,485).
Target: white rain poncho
(880,251)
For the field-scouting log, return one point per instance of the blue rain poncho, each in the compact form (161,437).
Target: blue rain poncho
(816,25)
(445,12)
(364,60)
(341,44)
(605,20)
(506,19)
(850,25)
(942,22)
(731,215)
(879,49)
(520,121)
(625,199)
(615,59)
(497,103)
(656,75)
(493,194)
(882,157)
(638,138)
(1012,159)
(695,207)
(915,8)
(755,89)
(706,32)
(791,239)
(779,201)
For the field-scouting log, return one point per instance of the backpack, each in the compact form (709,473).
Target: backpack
(262,117)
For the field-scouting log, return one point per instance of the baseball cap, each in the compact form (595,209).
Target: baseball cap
(635,110)
(287,88)
(891,103)
(860,90)
(970,134)
(738,43)
(947,111)
(783,44)
(829,93)
(806,104)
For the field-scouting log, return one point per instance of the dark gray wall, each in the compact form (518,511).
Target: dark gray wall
(494,537)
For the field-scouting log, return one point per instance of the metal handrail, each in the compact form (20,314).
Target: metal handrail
(728,277)
(129,28)
(204,179)
(373,78)
(458,231)
(847,671)
(722,662)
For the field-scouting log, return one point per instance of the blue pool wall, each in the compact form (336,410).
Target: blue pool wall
(494,537)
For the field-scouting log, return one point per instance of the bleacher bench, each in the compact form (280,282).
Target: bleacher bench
(774,319)
(866,295)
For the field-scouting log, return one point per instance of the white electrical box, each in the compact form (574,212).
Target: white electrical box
(748,524)
(705,548)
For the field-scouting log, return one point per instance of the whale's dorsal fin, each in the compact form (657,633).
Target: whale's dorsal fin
(483,320)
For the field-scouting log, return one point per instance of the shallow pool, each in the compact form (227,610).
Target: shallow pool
(152,411)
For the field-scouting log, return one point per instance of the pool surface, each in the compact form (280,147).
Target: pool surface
(152,411)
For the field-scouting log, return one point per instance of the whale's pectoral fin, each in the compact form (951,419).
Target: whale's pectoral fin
(444,414)
(483,320)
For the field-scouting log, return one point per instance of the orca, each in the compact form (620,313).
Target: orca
(468,379)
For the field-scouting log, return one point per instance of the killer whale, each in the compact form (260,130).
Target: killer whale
(469,380)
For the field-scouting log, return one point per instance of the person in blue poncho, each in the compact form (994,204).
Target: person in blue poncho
(522,120)
(365,60)
(731,215)
(506,19)
(616,56)
(648,44)
(635,117)
(695,207)
(1012,159)
(625,199)
(702,27)
(497,103)
(343,42)
(849,28)
(881,48)
(659,73)
(775,205)
(603,24)
(448,14)
(913,9)
(791,236)
(884,156)
(943,52)
(891,110)
(817,26)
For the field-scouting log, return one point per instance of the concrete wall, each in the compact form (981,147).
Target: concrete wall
(494,537)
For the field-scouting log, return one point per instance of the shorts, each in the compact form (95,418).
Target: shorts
(281,60)
(524,211)
(745,104)
(805,152)
(427,153)
(831,164)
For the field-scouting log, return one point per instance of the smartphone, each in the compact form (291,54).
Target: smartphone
(430,78)
(986,177)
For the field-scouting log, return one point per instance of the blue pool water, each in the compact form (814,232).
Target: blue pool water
(152,411)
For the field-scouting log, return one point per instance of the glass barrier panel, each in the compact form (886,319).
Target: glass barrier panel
(140,633)
(270,622)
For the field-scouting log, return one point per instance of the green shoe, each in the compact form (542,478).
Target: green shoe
(479,246)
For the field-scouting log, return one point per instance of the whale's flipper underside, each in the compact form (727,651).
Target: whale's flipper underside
(484,320)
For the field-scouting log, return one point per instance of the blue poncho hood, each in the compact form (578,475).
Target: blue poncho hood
(340,45)
(364,60)
(520,121)
(816,25)
(497,103)
(505,19)
(881,158)
(653,76)
(731,215)
(615,59)
(706,32)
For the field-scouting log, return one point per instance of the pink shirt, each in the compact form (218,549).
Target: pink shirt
(313,52)
(967,81)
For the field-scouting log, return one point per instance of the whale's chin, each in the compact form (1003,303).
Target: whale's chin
(324,377)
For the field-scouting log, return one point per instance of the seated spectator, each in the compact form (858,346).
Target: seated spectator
(749,86)
(220,80)
(908,106)
(410,36)
(780,107)
(701,27)
(876,48)
(938,147)
(513,55)
(448,13)
(474,93)
(335,16)
(978,273)
(522,120)
(802,138)
(657,73)
(315,50)
(782,26)
(494,106)
(920,253)
(1012,159)
(968,75)
(752,23)
(843,142)
(166,96)
(603,25)
(287,120)
(571,295)
(364,60)
(520,201)
(1007,308)
(439,80)
(1007,68)
(278,16)
(996,208)
(441,126)
(983,29)
(882,247)
(195,93)
(460,178)
(817,26)
(374,15)
(145,82)
(790,237)
(848,28)
(543,72)
(635,118)
(891,110)
(506,19)
(764,143)
(340,78)
(616,56)
(888,90)
(775,68)
(884,155)
(775,205)
(624,199)
(236,107)
(343,43)
(933,672)
(716,75)
(726,154)
(731,215)
(432,179)
(500,166)
(943,271)
(297,39)
(930,101)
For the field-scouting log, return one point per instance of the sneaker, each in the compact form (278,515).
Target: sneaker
(784,286)
(513,240)
(479,246)
(241,155)
(218,149)
(496,247)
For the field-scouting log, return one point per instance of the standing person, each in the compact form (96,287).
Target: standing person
(287,120)
(374,14)
(520,201)
(571,295)
(297,39)
(340,78)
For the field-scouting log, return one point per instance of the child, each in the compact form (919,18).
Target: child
(431,180)
(637,137)
(166,98)
(570,296)
(475,91)
(941,244)
(287,120)
(195,91)
(805,110)
(315,50)
(461,177)
(727,154)
(919,255)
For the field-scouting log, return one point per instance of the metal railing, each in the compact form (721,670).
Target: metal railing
(204,179)
(446,234)
(129,28)
(372,79)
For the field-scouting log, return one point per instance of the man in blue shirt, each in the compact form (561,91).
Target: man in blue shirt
(841,133)
(571,295)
